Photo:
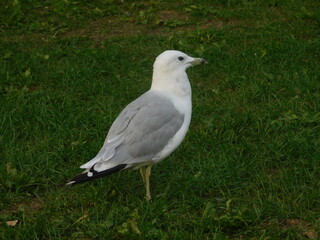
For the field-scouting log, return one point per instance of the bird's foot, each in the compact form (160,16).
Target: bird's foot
(148,198)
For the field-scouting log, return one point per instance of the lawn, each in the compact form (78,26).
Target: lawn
(249,167)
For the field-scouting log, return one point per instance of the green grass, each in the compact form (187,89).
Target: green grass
(249,167)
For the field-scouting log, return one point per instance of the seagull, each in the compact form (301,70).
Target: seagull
(151,127)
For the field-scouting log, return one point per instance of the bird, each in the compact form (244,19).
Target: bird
(151,127)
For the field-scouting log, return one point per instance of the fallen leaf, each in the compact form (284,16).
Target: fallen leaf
(293,222)
(310,234)
(12,223)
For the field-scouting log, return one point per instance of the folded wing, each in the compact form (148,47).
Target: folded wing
(139,133)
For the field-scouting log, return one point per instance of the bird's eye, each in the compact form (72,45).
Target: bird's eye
(180,58)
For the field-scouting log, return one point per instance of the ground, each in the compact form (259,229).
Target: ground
(249,166)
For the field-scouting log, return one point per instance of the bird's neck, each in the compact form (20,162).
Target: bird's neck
(176,83)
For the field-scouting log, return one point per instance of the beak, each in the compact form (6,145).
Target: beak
(198,61)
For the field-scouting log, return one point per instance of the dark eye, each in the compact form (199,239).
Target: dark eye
(180,58)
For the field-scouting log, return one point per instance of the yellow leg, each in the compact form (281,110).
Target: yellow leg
(147,178)
(145,174)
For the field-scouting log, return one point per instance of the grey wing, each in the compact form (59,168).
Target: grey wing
(150,130)
(139,133)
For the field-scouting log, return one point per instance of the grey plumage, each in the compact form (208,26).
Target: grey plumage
(141,131)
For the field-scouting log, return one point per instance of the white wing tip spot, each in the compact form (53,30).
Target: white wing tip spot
(70,183)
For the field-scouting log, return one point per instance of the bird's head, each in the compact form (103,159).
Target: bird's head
(169,72)
(172,60)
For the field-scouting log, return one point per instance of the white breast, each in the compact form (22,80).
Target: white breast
(184,106)
(176,87)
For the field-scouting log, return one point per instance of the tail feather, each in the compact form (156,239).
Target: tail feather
(93,174)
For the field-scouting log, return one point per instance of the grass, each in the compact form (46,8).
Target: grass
(249,166)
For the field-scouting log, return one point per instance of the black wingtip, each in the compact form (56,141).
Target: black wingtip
(85,177)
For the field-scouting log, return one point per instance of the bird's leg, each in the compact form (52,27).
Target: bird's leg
(142,173)
(147,182)
(145,174)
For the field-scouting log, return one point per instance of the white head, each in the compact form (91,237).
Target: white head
(172,60)
(169,70)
